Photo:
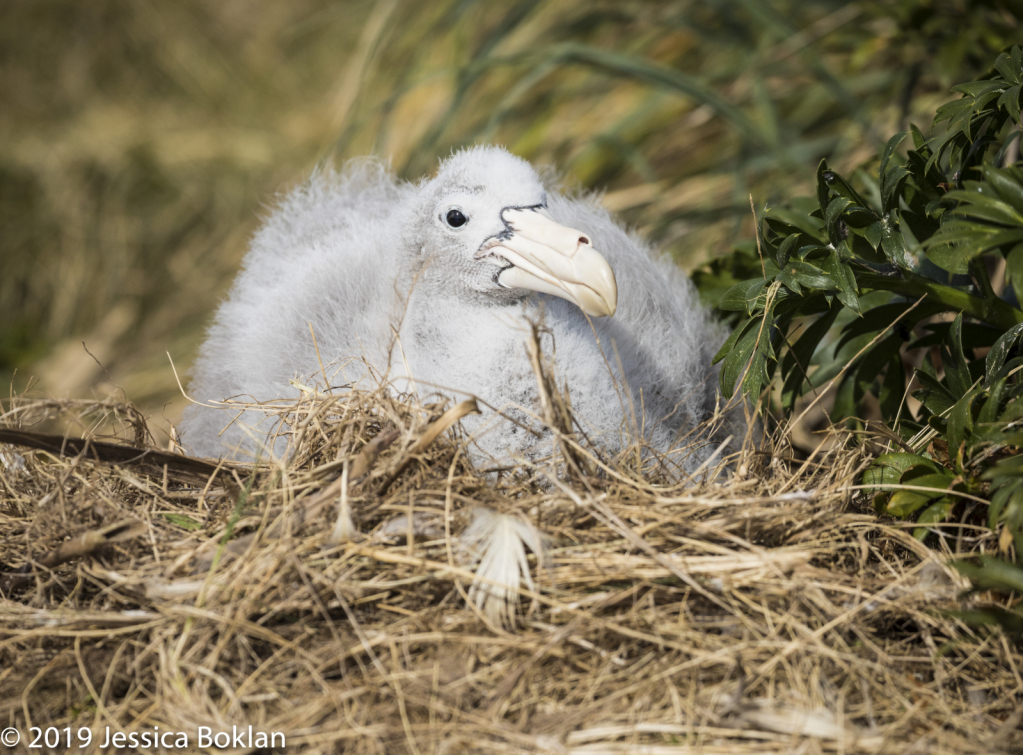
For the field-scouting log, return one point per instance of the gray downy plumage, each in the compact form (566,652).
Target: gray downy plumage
(395,293)
(399,292)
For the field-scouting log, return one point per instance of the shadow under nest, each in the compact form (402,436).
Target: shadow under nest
(327,598)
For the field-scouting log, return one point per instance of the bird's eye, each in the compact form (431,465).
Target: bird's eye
(455,218)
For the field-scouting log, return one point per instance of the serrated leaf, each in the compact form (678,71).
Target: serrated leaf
(984,199)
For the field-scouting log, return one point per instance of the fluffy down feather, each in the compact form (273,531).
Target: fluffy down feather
(394,295)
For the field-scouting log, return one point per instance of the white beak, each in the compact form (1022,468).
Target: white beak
(553,259)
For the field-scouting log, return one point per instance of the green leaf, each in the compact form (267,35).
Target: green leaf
(888,468)
(889,150)
(1000,352)
(883,316)
(933,395)
(736,359)
(841,273)
(957,372)
(924,476)
(833,217)
(905,502)
(755,297)
(785,249)
(951,109)
(891,187)
(735,299)
(873,361)
(806,274)
(893,388)
(823,190)
(843,188)
(797,360)
(1004,66)
(992,574)
(934,514)
(989,412)
(960,420)
(874,232)
(1007,182)
(893,243)
(729,344)
(802,222)
(1010,102)
(977,88)
(991,616)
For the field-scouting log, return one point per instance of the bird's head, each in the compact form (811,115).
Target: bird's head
(481,229)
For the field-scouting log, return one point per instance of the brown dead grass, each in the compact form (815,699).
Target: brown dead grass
(756,612)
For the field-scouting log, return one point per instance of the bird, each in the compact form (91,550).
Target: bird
(429,287)
(434,288)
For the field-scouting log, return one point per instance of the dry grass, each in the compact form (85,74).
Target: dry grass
(757,612)
(766,612)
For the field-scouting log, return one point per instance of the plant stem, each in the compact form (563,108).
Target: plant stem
(991,310)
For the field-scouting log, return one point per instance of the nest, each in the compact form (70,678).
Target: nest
(330,601)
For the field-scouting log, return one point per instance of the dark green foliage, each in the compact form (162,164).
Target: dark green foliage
(856,286)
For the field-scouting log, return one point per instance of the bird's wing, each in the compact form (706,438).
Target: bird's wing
(322,257)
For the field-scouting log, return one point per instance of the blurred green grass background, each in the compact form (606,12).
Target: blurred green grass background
(140,142)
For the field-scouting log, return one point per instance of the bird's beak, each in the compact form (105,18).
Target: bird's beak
(553,259)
